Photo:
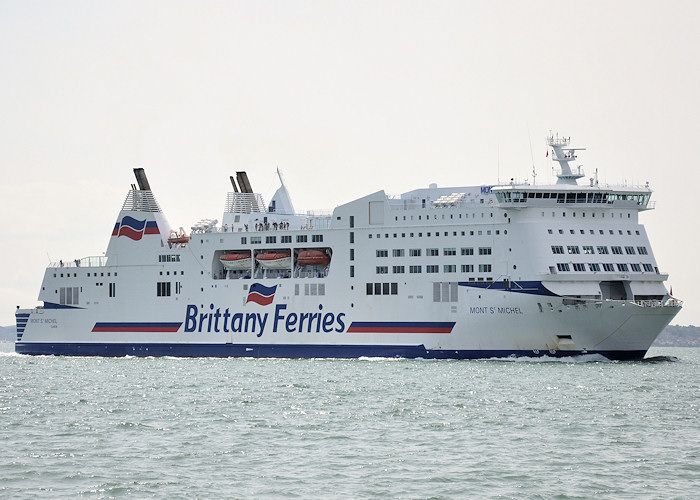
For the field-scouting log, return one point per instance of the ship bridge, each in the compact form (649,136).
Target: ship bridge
(567,191)
(520,196)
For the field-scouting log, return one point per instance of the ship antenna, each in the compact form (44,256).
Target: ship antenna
(498,162)
(532,157)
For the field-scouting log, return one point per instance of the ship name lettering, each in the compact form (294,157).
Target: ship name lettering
(315,322)
(306,322)
(494,310)
(509,310)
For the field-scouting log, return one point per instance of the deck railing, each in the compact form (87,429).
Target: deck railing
(94,261)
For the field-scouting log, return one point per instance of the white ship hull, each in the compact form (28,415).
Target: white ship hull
(467,272)
(481,324)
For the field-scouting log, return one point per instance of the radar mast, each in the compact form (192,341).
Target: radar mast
(562,153)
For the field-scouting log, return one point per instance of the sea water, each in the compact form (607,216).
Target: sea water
(366,428)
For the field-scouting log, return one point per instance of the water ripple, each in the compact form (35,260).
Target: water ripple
(266,428)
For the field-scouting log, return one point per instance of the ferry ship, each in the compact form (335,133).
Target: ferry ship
(439,272)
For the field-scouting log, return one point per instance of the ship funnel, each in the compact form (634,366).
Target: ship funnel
(243,182)
(141,179)
(233,183)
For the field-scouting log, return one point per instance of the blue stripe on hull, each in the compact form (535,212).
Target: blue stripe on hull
(528,287)
(292,351)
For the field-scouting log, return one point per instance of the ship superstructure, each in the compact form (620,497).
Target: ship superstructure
(457,272)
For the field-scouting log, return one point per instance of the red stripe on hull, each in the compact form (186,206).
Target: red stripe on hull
(165,329)
(391,329)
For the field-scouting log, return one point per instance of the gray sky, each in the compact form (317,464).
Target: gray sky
(346,98)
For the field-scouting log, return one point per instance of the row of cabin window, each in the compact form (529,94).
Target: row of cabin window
(75,275)
(382,288)
(445,292)
(71,295)
(169,258)
(427,217)
(432,252)
(163,288)
(301,238)
(311,289)
(591,231)
(446,268)
(583,214)
(602,249)
(608,267)
(437,234)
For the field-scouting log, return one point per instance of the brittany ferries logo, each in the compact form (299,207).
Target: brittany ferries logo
(218,319)
(134,229)
(222,319)
(261,294)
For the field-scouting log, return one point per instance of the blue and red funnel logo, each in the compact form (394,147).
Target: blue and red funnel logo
(261,294)
(134,229)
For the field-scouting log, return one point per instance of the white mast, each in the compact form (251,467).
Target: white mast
(563,154)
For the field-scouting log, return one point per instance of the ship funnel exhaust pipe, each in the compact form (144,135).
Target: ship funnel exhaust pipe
(233,183)
(243,182)
(141,179)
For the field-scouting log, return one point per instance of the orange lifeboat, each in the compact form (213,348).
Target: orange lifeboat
(313,258)
(274,260)
(236,261)
(178,237)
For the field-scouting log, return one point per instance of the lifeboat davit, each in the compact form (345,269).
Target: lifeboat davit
(313,258)
(274,260)
(236,261)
